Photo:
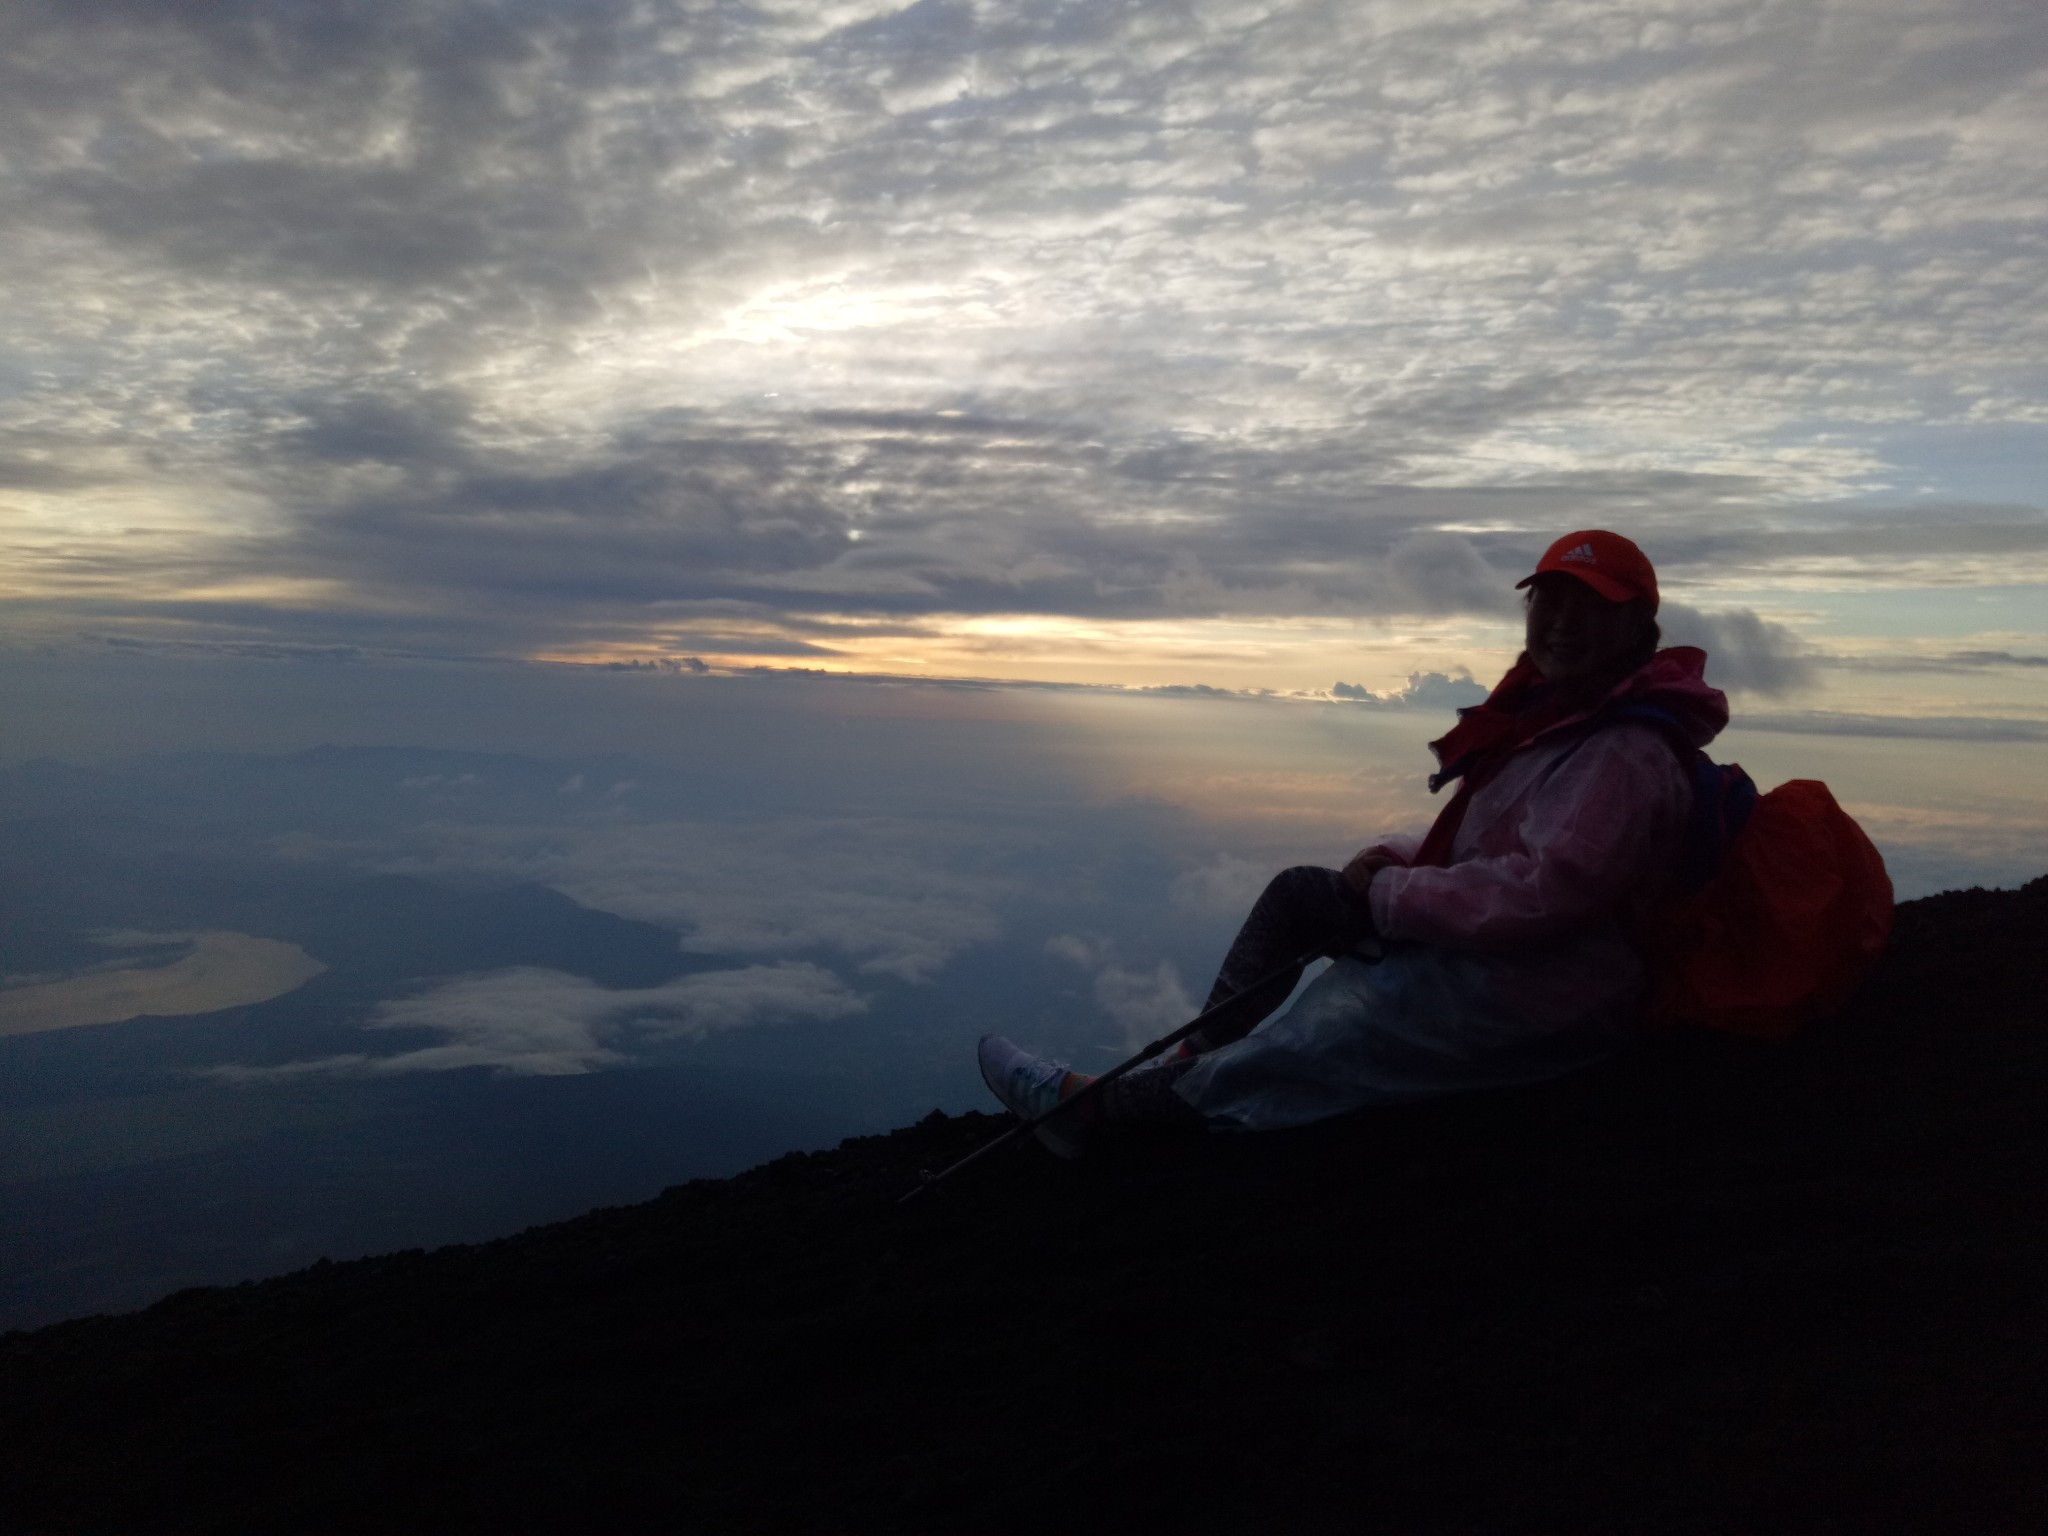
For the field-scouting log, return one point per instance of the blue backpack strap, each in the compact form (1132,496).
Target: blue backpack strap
(1722,794)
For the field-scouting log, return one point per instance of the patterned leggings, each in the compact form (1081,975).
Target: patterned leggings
(1302,910)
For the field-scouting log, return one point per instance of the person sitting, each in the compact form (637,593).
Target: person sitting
(1504,932)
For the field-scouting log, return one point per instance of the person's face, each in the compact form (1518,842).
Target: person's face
(1574,633)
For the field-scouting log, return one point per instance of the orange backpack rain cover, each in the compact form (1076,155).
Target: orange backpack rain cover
(1793,921)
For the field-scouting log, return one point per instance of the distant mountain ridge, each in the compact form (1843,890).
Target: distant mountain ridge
(1716,1287)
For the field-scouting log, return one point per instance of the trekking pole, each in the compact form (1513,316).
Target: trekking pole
(1367,949)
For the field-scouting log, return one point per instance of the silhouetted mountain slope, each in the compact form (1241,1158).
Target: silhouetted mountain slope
(1716,1288)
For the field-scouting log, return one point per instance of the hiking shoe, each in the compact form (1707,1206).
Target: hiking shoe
(1029,1085)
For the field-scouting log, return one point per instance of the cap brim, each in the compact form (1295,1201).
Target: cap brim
(1606,586)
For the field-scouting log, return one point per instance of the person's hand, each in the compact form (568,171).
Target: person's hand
(1364,864)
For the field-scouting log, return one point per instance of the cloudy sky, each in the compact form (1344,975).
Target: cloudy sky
(1193,342)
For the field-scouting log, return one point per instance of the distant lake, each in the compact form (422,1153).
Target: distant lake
(221,970)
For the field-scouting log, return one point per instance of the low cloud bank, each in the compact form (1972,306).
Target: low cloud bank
(541,1023)
(1945,662)
(878,890)
(1820,722)
(1145,1004)
(1425,690)
(1745,653)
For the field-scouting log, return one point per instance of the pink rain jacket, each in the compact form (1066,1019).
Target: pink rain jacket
(1511,963)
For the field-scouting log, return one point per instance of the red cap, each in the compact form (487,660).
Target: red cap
(1606,562)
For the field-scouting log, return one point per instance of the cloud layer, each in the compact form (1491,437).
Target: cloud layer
(809,332)
(1144,1004)
(1425,690)
(884,892)
(534,1022)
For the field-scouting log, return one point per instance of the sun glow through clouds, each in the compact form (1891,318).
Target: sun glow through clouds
(1248,348)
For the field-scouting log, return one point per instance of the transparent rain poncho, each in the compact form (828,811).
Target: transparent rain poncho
(1508,965)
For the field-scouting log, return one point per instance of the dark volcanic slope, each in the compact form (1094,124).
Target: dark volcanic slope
(1718,1288)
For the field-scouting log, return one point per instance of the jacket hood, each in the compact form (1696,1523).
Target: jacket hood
(1514,714)
(1675,680)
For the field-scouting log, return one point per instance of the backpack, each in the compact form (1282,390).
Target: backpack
(1779,908)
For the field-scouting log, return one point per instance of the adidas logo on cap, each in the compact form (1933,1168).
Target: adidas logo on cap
(1606,562)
